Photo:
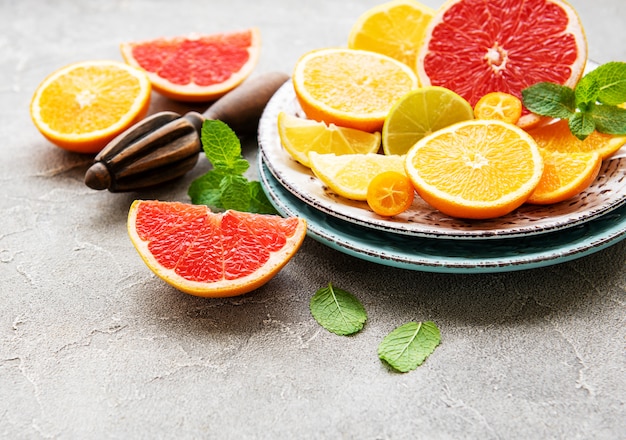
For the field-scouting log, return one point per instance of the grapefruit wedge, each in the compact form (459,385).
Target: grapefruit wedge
(197,67)
(475,47)
(212,254)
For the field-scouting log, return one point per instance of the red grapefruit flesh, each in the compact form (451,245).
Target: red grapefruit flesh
(212,254)
(197,67)
(475,47)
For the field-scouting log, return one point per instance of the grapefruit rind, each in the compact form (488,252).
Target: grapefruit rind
(224,287)
(192,92)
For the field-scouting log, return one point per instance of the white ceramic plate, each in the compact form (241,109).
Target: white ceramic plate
(445,255)
(607,193)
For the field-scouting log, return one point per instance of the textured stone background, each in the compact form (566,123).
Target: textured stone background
(92,345)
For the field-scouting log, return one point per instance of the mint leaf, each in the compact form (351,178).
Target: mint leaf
(586,92)
(337,311)
(258,200)
(609,119)
(220,144)
(611,80)
(408,346)
(548,99)
(205,190)
(225,186)
(234,193)
(582,125)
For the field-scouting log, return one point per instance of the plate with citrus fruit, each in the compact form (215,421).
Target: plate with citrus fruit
(444,88)
(606,193)
(447,255)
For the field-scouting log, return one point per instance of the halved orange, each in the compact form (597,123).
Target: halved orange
(558,137)
(83,106)
(499,105)
(565,175)
(350,88)
(212,254)
(475,169)
(476,47)
(196,67)
(394,28)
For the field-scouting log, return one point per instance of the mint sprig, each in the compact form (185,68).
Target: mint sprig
(225,186)
(591,106)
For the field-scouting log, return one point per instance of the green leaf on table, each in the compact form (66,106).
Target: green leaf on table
(225,186)
(408,346)
(338,311)
(548,99)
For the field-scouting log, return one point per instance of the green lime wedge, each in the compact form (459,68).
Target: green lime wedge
(419,113)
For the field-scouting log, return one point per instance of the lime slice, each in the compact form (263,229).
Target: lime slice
(419,113)
(349,175)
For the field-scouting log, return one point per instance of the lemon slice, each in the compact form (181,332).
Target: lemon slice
(349,175)
(421,112)
(299,136)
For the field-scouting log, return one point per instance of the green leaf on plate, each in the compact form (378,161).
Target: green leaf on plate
(338,311)
(408,346)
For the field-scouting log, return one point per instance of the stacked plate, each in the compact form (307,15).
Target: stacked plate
(424,239)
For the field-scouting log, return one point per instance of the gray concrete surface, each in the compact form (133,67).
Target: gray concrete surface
(93,346)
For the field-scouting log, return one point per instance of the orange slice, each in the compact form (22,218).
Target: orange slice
(394,28)
(565,175)
(475,169)
(196,67)
(350,88)
(558,137)
(212,254)
(499,105)
(390,193)
(476,47)
(301,136)
(83,106)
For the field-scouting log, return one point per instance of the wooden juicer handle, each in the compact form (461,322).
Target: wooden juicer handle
(165,146)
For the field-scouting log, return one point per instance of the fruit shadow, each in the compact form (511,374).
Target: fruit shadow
(523,297)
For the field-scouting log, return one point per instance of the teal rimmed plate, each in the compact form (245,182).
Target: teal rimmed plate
(448,255)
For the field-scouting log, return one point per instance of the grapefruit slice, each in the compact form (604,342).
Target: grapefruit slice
(212,254)
(475,47)
(196,67)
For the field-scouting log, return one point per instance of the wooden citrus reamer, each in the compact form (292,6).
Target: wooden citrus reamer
(166,145)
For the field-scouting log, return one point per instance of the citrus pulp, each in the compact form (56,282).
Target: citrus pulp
(475,169)
(300,136)
(196,67)
(420,112)
(83,106)
(212,254)
(350,88)
(479,46)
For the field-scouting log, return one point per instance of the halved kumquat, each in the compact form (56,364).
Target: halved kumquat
(500,106)
(390,193)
